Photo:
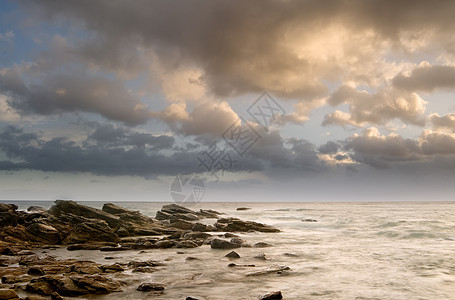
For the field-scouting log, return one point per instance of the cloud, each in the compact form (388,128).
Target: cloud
(71,92)
(443,122)
(377,108)
(426,78)
(433,142)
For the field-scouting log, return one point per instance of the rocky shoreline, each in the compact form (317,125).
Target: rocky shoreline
(111,229)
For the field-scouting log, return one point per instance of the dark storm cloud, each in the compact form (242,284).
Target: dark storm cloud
(240,45)
(427,78)
(69,92)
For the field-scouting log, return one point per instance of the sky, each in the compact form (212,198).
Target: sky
(262,100)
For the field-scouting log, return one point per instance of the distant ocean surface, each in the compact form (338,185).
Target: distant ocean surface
(399,250)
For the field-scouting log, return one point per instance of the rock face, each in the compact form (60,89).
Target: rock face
(39,232)
(223,244)
(237,225)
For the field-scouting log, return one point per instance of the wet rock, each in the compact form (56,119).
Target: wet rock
(96,284)
(196,235)
(208,213)
(148,263)
(187,244)
(243,208)
(233,255)
(260,256)
(25,252)
(270,270)
(237,225)
(8,215)
(272,296)
(240,242)
(35,271)
(112,268)
(191,258)
(82,229)
(201,227)
(176,209)
(144,270)
(290,254)
(38,298)
(192,298)
(8,294)
(147,287)
(96,246)
(230,235)
(114,209)
(262,245)
(231,265)
(163,244)
(11,279)
(43,233)
(222,244)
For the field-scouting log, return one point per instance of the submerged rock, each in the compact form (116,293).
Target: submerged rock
(270,270)
(262,245)
(243,208)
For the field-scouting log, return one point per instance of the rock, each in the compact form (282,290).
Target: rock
(72,207)
(148,263)
(82,229)
(114,209)
(11,279)
(231,265)
(36,298)
(230,235)
(7,294)
(232,254)
(35,271)
(191,298)
(75,247)
(191,258)
(196,235)
(290,254)
(243,208)
(237,225)
(201,227)
(176,209)
(239,241)
(8,215)
(182,224)
(144,270)
(269,270)
(222,244)
(115,248)
(36,209)
(272,296)
(43,233)
(208,213)
(309,220)
(147,287)
(163,244)
(187,244)
(25,252)
(96,284)
(260,256)
(262,245)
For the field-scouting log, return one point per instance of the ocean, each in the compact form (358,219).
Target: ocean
(388,250)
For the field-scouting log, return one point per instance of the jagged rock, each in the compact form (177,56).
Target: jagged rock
(163,244)
(43,233)
(208,213)
(269,270)
(8,294)
(237,225)
(176,209)
(272,296)
(187,244)
(233,254)
(222,244)
(262,245)
(144,270)
(112,268)
(8,215)
(147,263)
(72,207)
(147,287)
(238,241)
(201,227)
(84,229)
(196,235)
(114,209)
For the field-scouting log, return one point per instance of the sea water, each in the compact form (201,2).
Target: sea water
(399,250)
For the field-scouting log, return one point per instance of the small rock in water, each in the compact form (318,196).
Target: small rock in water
(109,257)
(231,265)
(270,270)
(191,298)
(262,245)
(191,258)
(260,256)
(243,208)
(147,287)
(290,254)
(309,220)
(272,296)
(233,254)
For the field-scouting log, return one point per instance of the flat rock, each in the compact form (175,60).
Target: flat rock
(237,225)
(262,245)
(270,270)
(243,208)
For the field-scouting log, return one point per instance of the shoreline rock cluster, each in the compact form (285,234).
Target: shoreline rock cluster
(113,228)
